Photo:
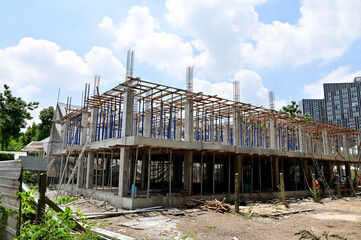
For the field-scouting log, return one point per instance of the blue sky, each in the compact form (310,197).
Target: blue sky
(289,47)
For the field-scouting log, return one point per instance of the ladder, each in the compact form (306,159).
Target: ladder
(320,174)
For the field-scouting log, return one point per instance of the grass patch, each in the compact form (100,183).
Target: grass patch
(211,227)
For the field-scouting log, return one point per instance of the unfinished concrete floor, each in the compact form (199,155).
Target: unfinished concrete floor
(340,217)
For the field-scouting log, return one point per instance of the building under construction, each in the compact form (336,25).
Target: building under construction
(142,144)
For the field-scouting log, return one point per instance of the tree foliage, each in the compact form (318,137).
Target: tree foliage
(53,225)
(46,118)
(307,116)
(30,135)
(13,115)
(291,109)
(6,156)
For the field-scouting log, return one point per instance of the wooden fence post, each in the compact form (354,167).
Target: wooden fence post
(314,187)
(283,192)
(236,193)
(41,202)
(351,184)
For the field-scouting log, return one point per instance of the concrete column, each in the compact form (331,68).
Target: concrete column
(179,127)
(240,171)
(277,172)
(348,173)
(212,126)
(330,183)
(62,162)
(302,139)
(89,182)
(128,113)
(188,131)
(93,120)
(84,128)
(84,136)
(236,128)
(90,171)
(64,130)
(147,120)
(273,136)
(238,167)
(325,142)
(243,132)
(225,134)
(124,172)
(144,174)
(345,145)
(80,173)
(188,172)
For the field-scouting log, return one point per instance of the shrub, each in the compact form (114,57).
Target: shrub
(6,156)
(29,178)
(53,225)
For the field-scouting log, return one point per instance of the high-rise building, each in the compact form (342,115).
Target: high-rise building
(315,107)
(341,104)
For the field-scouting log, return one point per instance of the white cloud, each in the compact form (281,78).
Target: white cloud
(221,89)
(279,103)
(325,31)
(35,118)
(341,74)
(37,64)
(165,51)
(224,37)
(220,27)
(233,37)
(252,89)
(26,92)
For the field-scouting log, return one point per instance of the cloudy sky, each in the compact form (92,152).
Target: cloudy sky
(289,47)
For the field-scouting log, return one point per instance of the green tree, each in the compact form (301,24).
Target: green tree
(291,109)
(307,116)
(13,115)
(15,145)
(46,118)
(30,135)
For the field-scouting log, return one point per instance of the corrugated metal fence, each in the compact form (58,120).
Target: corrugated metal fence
(10,183)
(34,163)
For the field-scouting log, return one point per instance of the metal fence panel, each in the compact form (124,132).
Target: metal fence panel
(34,163)
(10,183)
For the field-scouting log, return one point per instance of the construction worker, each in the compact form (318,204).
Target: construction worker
(317,185)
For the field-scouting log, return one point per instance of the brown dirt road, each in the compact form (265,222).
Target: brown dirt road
(342,217)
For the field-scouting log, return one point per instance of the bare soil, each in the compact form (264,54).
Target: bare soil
(342,217)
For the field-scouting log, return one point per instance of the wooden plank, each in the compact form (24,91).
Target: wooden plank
(56,208)
(111,235)
(290,212)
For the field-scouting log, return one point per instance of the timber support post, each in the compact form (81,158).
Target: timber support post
(41,202)
(236,193)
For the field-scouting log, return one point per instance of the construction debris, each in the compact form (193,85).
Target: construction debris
(115,214)
(175,212)
(106,234)
(212,206)
(159,221)
(286,213)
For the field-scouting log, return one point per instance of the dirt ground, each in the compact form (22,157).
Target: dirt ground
(341,217)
